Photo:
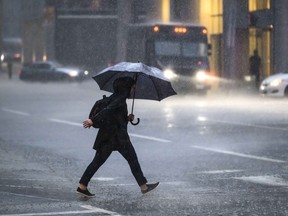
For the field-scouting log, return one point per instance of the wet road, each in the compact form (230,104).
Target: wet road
(219,155)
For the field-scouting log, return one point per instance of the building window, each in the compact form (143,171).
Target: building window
(211,15)
(217,16)
(259,5)
(260,37)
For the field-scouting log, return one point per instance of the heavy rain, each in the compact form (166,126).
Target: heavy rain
(217,147)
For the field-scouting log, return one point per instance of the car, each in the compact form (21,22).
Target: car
(51,71)
(275,85)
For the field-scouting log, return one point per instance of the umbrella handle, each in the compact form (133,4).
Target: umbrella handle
(136,123)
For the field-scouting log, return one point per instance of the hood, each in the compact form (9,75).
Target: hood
(283,76)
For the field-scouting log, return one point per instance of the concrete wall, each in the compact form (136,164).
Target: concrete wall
(280,36)
(235,39)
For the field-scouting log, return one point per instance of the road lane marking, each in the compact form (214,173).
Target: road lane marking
(15,111)
(219,171)
(66,122)
(175,183)
(99,210)
(31,196)
(105,178)
(239,154)
(89,209)
(247,125)
(150,138)
(27,179)
(264,180)
(131,134)
(21,186)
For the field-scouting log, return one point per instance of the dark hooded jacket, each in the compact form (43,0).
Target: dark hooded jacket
(115,134)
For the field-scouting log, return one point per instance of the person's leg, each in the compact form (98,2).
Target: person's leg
(130,155)
(257,80)
(100,157)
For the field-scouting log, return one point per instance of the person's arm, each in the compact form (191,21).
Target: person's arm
(87,123)
(107,112)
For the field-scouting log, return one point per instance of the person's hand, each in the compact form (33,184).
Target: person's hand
(87,123)
(130,117)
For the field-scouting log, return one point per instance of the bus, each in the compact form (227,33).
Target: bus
(11,50)
(180,51)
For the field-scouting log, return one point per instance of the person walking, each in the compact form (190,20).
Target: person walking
(10,67)
(255,63)
(115,137)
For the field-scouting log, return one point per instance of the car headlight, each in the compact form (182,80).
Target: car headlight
(2,57)
(201,76)
(169,74)
(86,72)
(276,82)
(73,73)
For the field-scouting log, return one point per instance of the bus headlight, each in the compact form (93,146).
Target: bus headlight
(201,76)
(169,74)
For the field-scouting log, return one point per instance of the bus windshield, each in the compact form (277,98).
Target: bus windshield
(11,49)
(12,45)
(180,49)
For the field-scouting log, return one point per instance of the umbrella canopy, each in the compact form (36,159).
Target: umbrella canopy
(150,81)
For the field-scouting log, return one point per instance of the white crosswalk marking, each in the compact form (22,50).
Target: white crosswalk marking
(89,210)
(15,112)
(239,154)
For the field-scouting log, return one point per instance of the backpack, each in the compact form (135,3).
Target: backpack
(98,114)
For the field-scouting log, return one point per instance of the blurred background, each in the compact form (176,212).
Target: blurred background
(94,33)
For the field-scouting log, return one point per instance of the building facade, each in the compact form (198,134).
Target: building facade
(236,28)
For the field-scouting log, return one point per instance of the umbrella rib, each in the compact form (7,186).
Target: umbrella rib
(155,88)
(108,80)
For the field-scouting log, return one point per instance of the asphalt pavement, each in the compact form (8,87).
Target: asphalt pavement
(214,155)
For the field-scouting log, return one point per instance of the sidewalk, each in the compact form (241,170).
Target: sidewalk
(232,88)
(15,72)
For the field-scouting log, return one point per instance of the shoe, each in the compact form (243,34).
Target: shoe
(85,193)
(150,187)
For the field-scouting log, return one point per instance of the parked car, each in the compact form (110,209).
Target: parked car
(275,85)
(51,71)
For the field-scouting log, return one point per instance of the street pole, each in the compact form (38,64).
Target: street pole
(229,34)
(236,42)
(124,19)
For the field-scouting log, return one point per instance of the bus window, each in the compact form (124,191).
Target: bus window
(167,48)
(184,49)
(194,49)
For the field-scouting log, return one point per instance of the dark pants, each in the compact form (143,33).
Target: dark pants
(102,155)
(257,80)
(10,68)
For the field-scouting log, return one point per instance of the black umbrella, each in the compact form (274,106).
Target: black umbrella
(150,81)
